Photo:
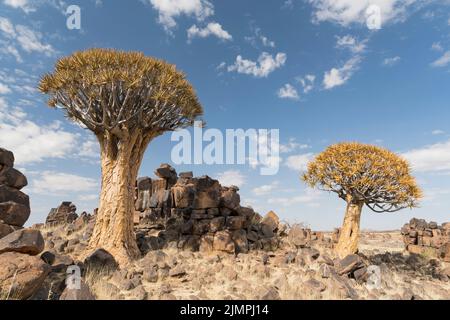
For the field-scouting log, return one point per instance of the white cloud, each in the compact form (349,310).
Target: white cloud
(59,183)
(9,49)
(265,65)
(436,46)
(213,28)
(338,76)
(265,189)
(4,89)
(88,197)
(437,132)
(310,197)
(299,162)
(292,145)
(307,82)
(266,42)
(22,4)
(435,157)
(28,39)
(231,178)
(259,38)
(391,61)
(351,43)
(168,10)
(346,12)
(442,61)
(288,92)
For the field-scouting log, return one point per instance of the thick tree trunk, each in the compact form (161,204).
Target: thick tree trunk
(349,234)
(113,230)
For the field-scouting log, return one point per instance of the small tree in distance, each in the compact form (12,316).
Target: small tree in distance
(126,99)
(362,175)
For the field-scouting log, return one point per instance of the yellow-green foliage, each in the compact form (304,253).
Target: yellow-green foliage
(365,173)
(105,88)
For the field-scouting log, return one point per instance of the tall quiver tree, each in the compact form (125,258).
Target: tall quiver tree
(126,99)
(362,175)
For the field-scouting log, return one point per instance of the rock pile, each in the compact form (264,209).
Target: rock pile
(65,213)
(22,272)
(427,238)
(14,204)
(198,213)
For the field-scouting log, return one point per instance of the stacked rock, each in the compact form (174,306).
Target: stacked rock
(65,213)
(22,272)
(14,204)
(199,214)
(427,238)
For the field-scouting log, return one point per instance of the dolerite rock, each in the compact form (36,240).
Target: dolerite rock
(299,236)
(223,242)
(144,188)
(349,264)
(10,194)
(101,261)
(13,178)
(230,198)
(167,172)
(21,275)
(82,293)
(5,229)
(272,220)
(6,158)
(65,213)
(27,241)
(13,213)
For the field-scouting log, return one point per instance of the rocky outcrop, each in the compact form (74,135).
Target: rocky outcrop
(427,238)
(14,204)
(198,213)
(65,213)
(22,272)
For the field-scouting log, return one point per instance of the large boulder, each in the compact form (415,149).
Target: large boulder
(101,261)
(13,178)
(27,241)
(223,242)
(13,195)
(167,172)
(6,158)
(5,229)
(349,264)
(21,275)
(272,220)
(230,198)
(13,213)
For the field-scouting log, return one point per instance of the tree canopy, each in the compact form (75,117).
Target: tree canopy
(365,173)
(117,91)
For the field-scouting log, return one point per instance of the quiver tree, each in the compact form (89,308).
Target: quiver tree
(362,175)
(126,99)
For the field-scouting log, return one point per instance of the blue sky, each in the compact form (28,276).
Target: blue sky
(310,68)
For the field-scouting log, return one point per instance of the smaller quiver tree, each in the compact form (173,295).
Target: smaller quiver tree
(361,175)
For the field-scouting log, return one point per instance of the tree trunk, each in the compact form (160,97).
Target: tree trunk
(113,230)
(349,233)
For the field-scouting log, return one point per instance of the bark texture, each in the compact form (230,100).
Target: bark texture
(120,162)
(349,234)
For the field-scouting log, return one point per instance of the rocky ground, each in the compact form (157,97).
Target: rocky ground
(290,272)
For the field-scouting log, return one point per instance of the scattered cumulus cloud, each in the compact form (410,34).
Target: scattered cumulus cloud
(169,10)
(60,183)
(212,29)
(351,43)
(436,46)
(307,82)
(231,178)
(443,61)
(261,68)
(299,162)
(339,76)
(288,92)
(391,61)
(432,158)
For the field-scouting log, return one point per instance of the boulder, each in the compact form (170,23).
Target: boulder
(167,172)
(21,275)
(13,178)
(14,213)
(101,261)
(5,229)
(272,220)
(235,222)
(240,241)
(6,158)
(83,293)
(223,242)
(349,264)
(183,195)
(144,188)
(299,236)
(444,252)
(27,241)
(13,195)
(230,198)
